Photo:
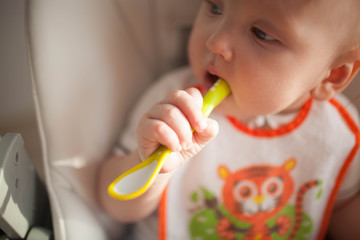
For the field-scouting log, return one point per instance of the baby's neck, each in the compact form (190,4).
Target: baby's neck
(272,121)
(276,120)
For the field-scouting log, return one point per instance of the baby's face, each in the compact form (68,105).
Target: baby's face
(272,53)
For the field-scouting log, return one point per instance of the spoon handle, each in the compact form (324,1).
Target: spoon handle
(135,181)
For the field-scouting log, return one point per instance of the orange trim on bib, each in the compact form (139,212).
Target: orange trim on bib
(355,130)
(269,133)
(162,216)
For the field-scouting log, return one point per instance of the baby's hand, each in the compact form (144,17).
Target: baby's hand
(170,123)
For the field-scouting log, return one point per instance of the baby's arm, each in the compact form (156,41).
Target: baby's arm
(169,123)
(344,222)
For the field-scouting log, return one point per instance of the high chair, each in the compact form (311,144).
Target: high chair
(90,61)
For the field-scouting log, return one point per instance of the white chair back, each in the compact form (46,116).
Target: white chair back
(90,60)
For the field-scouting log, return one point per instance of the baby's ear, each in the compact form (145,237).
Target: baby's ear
(339,78)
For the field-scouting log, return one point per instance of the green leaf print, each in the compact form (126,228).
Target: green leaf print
(207,194)
(194,197)
(304,230)
(202,225)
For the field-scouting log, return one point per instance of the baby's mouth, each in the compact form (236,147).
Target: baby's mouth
(210,79)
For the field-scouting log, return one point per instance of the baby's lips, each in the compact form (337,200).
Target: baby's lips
(209,80)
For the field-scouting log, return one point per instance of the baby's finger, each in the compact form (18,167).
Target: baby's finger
(153,133)
(190,103)
(208,134)
(176,120)
(196,94)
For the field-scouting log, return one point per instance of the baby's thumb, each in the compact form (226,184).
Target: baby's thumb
(200,139)
(207,134)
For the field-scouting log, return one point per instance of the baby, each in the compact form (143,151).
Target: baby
(285,162)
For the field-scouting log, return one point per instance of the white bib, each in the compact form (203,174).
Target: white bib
(263,184)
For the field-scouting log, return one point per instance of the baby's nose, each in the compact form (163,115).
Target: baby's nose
(220,43)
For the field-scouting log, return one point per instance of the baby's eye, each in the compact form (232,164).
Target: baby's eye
(260,34)
(214,8)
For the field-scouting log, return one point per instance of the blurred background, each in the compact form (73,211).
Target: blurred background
(17,114)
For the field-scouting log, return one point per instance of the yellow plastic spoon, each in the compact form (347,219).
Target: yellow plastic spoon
(138,179)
